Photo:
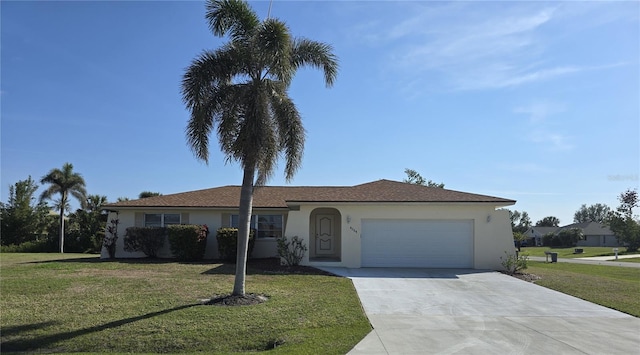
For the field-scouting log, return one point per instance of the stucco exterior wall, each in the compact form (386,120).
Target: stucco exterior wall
(492,228)
(128,219)
(214,219)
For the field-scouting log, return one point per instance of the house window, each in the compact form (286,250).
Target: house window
(266,225)
(161,219)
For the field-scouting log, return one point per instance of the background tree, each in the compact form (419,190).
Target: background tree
(413,177)
(549,221)
(241,89)
(87,226)
(145,194)
(623,223)
(520,221)
(594,213)
(66,183)
(22,219)
(519,238)
(569,237)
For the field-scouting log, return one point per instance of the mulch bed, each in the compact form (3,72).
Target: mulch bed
(236,300)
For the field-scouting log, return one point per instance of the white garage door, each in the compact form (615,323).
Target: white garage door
(417,243)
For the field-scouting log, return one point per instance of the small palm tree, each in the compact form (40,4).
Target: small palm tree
(242,88)
(66,183)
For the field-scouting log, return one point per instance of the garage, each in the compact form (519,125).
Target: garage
(417,243)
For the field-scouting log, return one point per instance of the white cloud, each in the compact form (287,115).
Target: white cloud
(539,111)
(541,130)
(552,140)
(478,46)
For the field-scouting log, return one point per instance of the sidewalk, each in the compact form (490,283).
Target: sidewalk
(607,258)
(596,260)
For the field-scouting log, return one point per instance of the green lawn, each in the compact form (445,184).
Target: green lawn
(610,286)
(76,303)
(568,252)
(630,260)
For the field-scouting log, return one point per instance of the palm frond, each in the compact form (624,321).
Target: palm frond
(204,93)
(240,90)
(274,43)
(49,192)
(318,55)
(208,70)
(231,16)
(64,181)
(291,133)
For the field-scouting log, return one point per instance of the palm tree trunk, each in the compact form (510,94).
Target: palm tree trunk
(244,220)
(62,228)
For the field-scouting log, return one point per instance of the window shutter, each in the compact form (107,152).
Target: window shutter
(139,219)
(184,218)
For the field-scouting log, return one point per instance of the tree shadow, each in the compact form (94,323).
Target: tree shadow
(267,266)
(19,329)
(47,340)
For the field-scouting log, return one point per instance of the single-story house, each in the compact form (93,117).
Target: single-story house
(594,234)
(378,224)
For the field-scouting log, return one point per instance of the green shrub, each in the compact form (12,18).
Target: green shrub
(291,251)
(145,239)
(514,263)
(228,243)
(547,239)
(188,242)
(36,246)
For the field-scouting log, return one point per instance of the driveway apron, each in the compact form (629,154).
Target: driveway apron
(454,311)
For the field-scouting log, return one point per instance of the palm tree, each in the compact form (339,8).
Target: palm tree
(242,88)
(64,182)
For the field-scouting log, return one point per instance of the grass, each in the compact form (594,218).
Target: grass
(567,252)
(74,303)
(630,260)
(610,286)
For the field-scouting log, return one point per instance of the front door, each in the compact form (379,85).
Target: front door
(325,234)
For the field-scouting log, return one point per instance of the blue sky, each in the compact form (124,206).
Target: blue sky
(533,101)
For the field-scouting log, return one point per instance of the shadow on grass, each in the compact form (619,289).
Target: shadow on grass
(267,266)
(98,260)
(18,329)
(259,266)
(43,342)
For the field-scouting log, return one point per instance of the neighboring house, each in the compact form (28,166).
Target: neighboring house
(378,224)
(594,234)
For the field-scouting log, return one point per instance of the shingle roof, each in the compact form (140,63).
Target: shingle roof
(282,196)
(544,230)
(590,228)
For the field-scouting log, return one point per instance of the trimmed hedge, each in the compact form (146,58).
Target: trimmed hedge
(188,242)
(228,243)
(145,239)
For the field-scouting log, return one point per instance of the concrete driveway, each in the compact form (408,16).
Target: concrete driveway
(429,311)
